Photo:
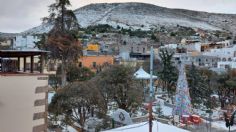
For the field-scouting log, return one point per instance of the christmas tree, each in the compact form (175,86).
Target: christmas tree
(182,98)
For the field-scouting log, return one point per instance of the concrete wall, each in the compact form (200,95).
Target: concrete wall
(23,102)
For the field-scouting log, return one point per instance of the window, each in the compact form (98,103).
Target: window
(80,64)
(143,50)
(94,65)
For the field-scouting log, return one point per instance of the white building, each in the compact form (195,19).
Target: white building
(194,47)
(170,46)
(25,42)
(226,64)
(225,54)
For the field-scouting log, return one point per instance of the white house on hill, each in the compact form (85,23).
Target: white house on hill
(25,42)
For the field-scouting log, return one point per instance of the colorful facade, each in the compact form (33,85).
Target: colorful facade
(93,47)
(96,62)
(182,97)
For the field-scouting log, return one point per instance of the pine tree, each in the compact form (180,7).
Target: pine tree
(61,40)
(199,86)
(168,73)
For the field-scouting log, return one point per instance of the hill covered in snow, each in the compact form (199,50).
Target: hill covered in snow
(146,16)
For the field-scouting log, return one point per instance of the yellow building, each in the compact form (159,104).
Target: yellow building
(93,47)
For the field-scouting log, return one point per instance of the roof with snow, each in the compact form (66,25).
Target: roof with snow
(144,127)
(141,74)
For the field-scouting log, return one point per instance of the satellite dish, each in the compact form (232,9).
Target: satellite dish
(122,116)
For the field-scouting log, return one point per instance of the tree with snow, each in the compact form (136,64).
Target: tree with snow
(78,102)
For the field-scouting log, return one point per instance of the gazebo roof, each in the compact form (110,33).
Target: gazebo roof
(21,53)
(141,74)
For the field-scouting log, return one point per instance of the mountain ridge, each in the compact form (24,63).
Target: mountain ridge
(145,16)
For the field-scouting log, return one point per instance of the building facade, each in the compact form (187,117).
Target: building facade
(23,102)
(96,62)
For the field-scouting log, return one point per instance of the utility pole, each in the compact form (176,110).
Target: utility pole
(151,94)
(150,116)
(151,75)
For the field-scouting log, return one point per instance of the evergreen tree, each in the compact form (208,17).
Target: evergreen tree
(168,73)
(199,86)
(61,40)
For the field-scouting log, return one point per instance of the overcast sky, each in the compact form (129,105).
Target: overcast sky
(20,15)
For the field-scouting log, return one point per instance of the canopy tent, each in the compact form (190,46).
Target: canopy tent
(141,74)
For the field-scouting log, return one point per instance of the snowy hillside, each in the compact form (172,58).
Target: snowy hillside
(146,16)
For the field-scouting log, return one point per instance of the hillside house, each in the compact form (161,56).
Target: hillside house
(7,42)
(25,42)
(96,63)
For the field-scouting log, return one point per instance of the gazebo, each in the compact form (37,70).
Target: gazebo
(18,54)
(143,75)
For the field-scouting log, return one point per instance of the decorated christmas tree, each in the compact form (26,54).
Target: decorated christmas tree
(182,98)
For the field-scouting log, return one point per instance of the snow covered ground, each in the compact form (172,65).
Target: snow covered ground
(50,95)
(144,127)
(221,125)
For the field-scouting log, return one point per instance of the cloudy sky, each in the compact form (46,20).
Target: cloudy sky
(20,15)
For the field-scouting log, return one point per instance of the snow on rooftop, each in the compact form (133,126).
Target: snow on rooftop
(144,127)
